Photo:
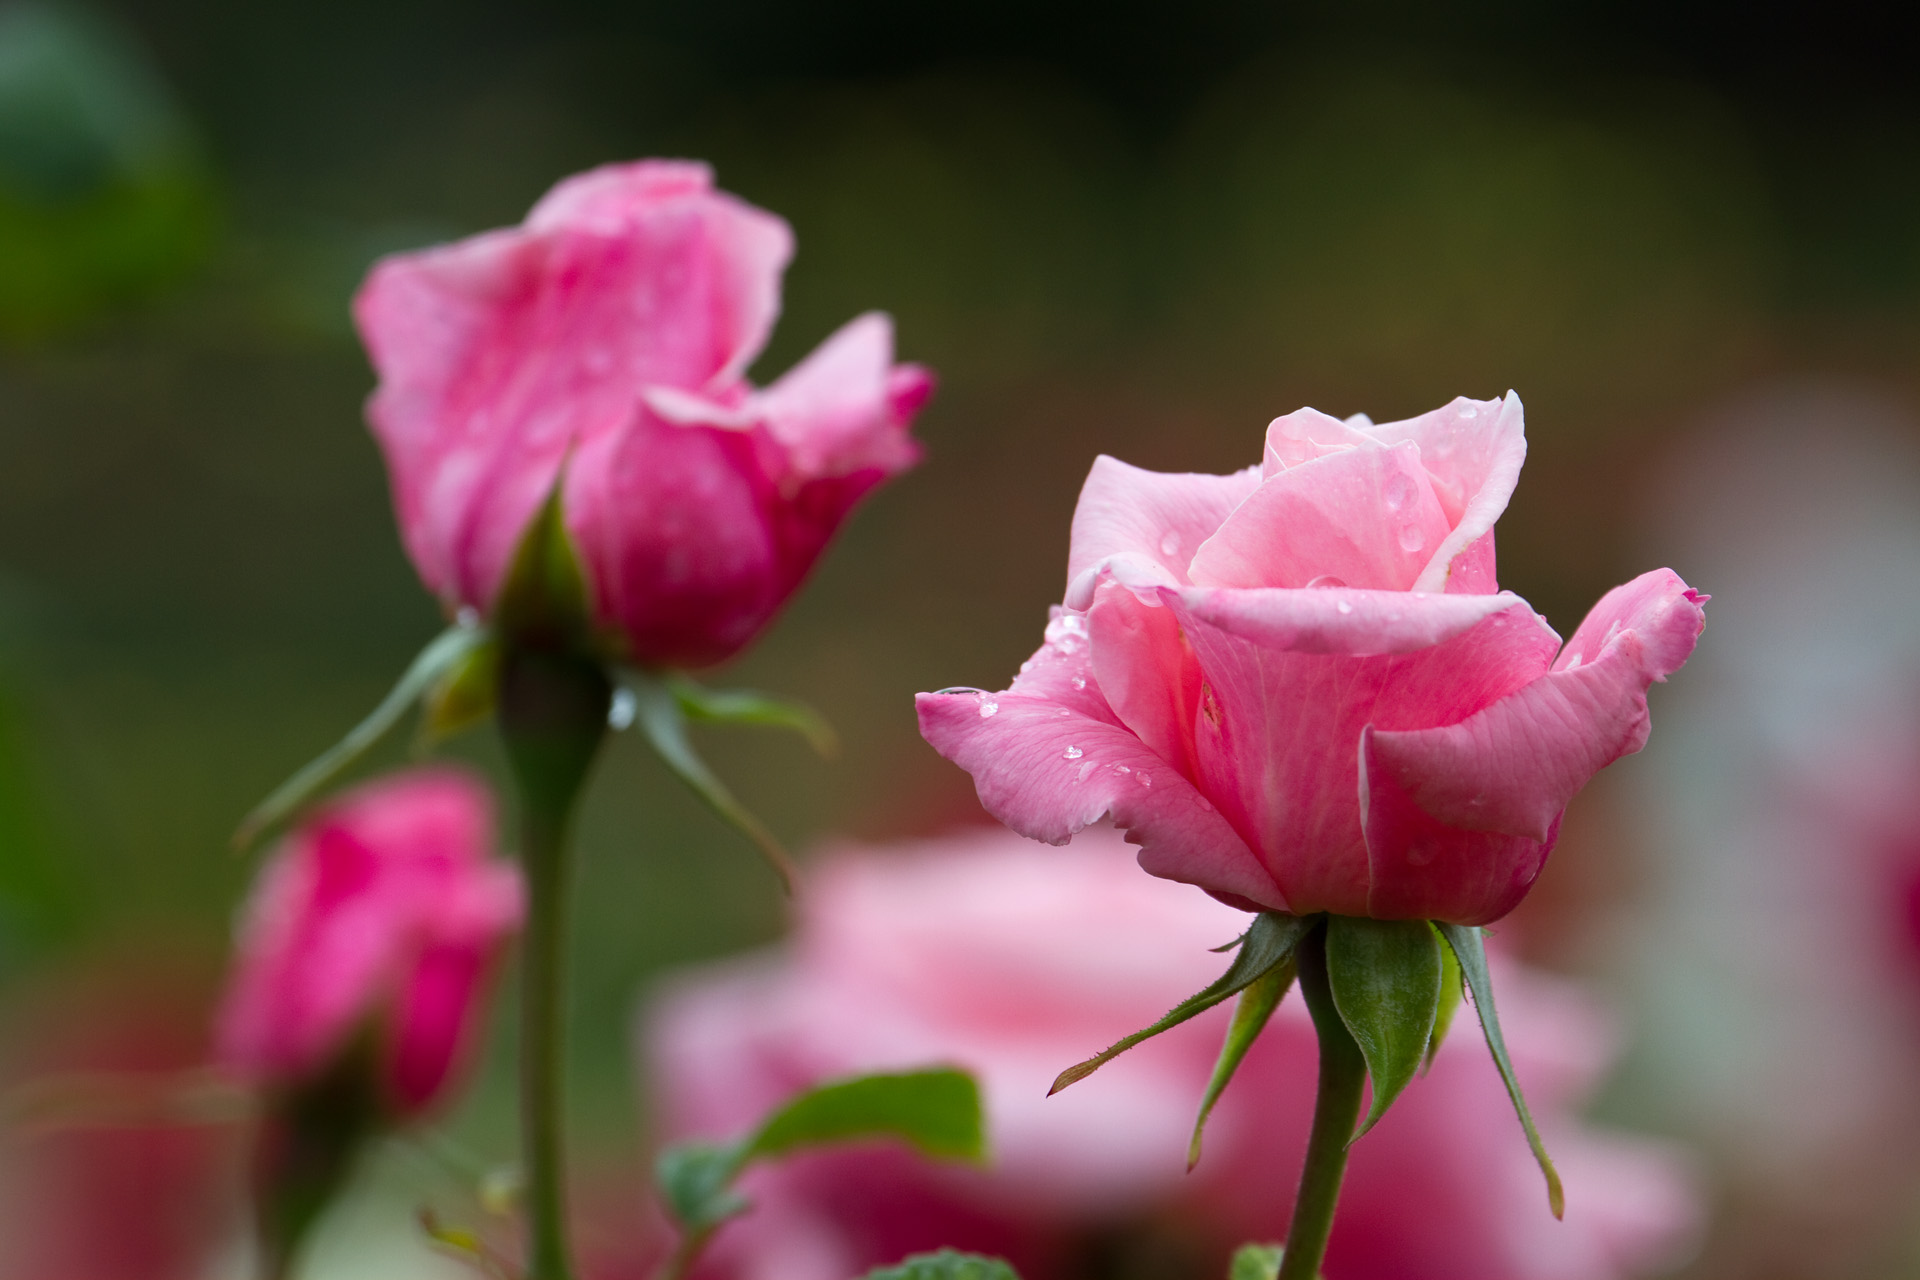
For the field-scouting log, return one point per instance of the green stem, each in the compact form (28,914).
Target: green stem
(553,715)
(1335,1109)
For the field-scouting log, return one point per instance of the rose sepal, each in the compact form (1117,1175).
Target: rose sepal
(1469,948)
(1386,977)
(1268,943)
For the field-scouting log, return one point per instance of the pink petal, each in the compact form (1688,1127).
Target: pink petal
(1473,449)
(431,1024)
(1342,620)
(1049,757)
(1512,767)
(837,411)
(1365,516)
(1276,743)
(1306,435)
(1145,525)
(1145,671)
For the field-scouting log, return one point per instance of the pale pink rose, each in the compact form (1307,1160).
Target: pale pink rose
(381,915)
(610,334)
(1015,961)
(1299,687)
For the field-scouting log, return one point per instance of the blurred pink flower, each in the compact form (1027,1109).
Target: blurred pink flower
(1299,687)
(1015,961)
(609,335)
(381,914)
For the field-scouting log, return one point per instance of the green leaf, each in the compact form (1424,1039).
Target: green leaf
(1255,1262)
(1256,1005)
(745,706)
(946,1265)
(1449,1004)
(657,712)
(1470,948)
(1268,942)
(447,649)
(1385,976)
(461,698)
(936,1110)
(696,1181)
(543,601)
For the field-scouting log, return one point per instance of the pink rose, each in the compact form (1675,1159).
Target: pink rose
(1298,686)
(609,335)
(381,914)
(988,951)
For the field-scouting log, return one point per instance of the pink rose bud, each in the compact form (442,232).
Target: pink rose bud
(380,916)
(992,953)
(1299,687)
(608,336)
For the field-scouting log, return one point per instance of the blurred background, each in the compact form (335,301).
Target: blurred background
(1689,239)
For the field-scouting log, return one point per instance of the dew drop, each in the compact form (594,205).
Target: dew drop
(1398,491)
(1065,712)
(1086,769)
(988,707)
(1327,580)
(1146,779)
(1170,544)
(1073,753)
(1120,768)
(1345,606)
(1411,539)
(1469,411)
(1079,682)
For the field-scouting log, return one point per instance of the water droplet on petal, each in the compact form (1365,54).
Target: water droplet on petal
(1398,491)
(1411,539)
(1345,606)
(1079,682)
(1073,753)
(1146,779)
(988,707)
(1469,411)
(1327,580)
(1086,769)
(1170,544)
(1120,768)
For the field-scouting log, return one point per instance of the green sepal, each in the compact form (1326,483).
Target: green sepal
(1250,1015)
(446,651)
(1385,976)
(658,713)
(749,707)
(1450,997)
(1269,941)
(462,697)
(1255,1262)
(946,1265)
(1469,947)
(543,602)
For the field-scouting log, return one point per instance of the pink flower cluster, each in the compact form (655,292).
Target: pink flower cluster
(1015,960)
(1299,686)
(379,917)
(603,345)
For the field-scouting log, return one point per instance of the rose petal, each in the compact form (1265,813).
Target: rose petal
(835,411)
(1339,620)
(1145,525)
(1513,766)
(1366,516)
(1473,449)
(1146,671)
(1049,757)
(1275,742)
(1307,434)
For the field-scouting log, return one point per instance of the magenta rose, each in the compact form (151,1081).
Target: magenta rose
(985,950)
(379,917)
(609,336)
(1299,686)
